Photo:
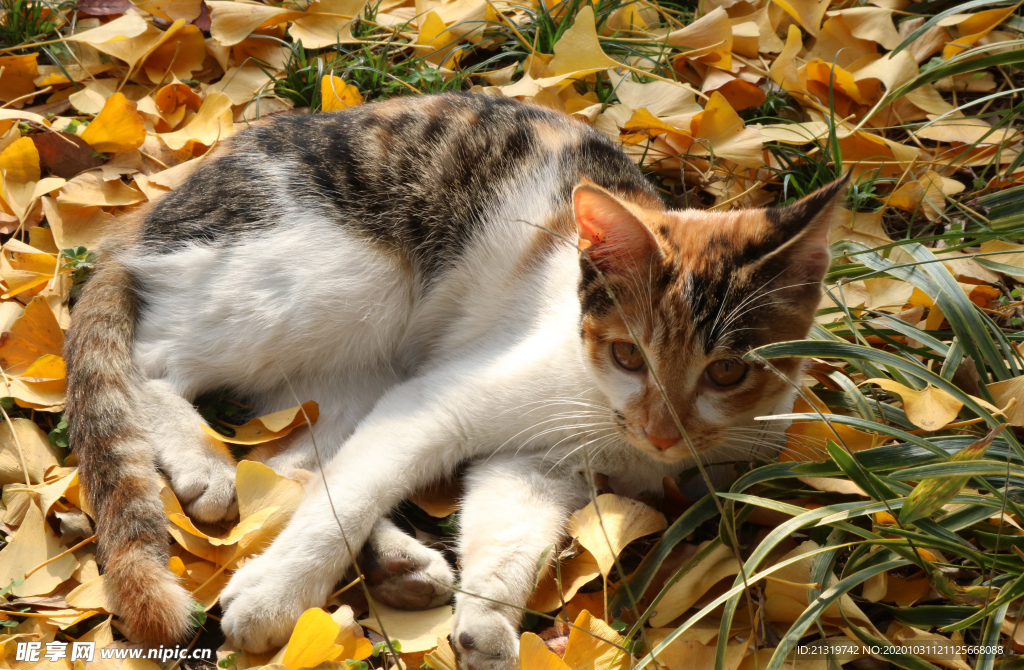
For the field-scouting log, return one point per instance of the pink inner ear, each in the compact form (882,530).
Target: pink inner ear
(612,234)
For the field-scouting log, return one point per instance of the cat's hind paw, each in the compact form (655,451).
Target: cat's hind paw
(411,580)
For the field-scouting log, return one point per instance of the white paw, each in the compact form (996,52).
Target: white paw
(484,638)
(204,482)
(265,598)
(416,578)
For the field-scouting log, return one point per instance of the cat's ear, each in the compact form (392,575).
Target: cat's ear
(614,238)
(803,227)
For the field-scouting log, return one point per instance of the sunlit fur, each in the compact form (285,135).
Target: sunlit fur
(412,266)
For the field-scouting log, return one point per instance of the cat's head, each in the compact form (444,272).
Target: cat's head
(698,290)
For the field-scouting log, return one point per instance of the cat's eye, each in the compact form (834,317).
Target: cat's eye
(726,372)
(627,356)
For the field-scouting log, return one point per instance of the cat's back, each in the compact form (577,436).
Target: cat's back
(417,173)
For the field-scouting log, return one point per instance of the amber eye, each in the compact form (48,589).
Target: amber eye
(627,356)
(727,372)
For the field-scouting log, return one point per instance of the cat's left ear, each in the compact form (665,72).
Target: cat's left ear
(802,229)
(612,236)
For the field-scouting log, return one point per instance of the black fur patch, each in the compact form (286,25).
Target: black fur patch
(419,174)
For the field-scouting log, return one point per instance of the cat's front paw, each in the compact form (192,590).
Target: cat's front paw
(263,601)
(204,482)
(484,638)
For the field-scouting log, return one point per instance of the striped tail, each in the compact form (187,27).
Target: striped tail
(117,466)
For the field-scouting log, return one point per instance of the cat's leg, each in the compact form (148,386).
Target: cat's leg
(515,510)
(403,573)
(418,432)
(200,467)
(405,443)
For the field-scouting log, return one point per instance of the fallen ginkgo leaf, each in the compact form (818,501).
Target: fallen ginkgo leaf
(270,427)
(609,523)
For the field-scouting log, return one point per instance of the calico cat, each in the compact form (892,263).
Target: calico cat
(412,265)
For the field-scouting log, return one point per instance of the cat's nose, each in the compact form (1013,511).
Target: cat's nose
(660,442)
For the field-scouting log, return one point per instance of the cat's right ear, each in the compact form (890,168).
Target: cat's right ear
(610,234)
(803,228)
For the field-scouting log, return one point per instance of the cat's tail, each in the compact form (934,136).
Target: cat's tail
(116,465)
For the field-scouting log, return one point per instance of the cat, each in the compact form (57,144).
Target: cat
(415,267)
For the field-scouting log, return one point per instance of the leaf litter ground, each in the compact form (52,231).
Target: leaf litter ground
(893,513)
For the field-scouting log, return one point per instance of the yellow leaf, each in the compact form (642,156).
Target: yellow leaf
(594,644)
(435,35)
(934,647)
(350,637)
(132,24)
(643,125)
(20,162)
(211,123)
(808,13)
(722,128)
(17,77)
(171,10)
(440,499)
(535,655)
(1015,259)
(1004,393)
(27,441)
(102,635)
(973,27)
(660,98)
(336,94)
(35,333)
(241,84)
(627,18)
(695,648)
(609,523)
(417,631)
(90,596)
(259,488)
(579,51)
(823,74)
(783,70)
(442,658)
(33,396)
(709,39)
(807,439)
(270,427)
(931,408)
(888,295)
(327,22)
(873,24)
(24,267)
(180,52)
(312,640)
(75,226)
(32,545)
(876,154)
(194,543)
(681,596)
(232,22)
(176,95)
(237,533)
(89,189)
(117,127)
(575,573)
(786,594)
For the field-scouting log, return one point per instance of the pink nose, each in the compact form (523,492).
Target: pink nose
(662,443)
